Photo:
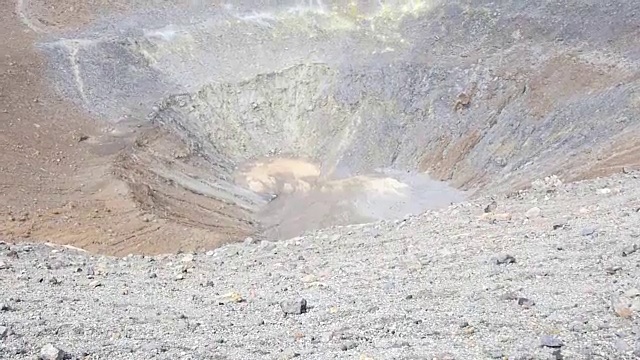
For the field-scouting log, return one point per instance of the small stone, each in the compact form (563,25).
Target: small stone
(612,270)
(621,346)
(12,254)
(628,250)
(4,307)
(557,354)
(577,326)
(90,271)
(4,332)
(444,356)
(95,284)
(588,231)
(496,354)
(22,277)
(491,207)
(153,275)
(632,293)
(534,212)
(348,346)
(249,241)
(187,258)
(508,296)
(294,307)
(54,281)
(504,259)
(179,277)
(231,297)
(550,341)
(604,191)
(267,245)
(260,322)
(560,224)
(526,303)
(50,352)
(4,265)
(463,324)
(621,307)
(289,354)
(309,278)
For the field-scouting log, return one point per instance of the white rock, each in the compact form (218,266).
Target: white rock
(632,293)
(534,212)
(50,352)
(249,240)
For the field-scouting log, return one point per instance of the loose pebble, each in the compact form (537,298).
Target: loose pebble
(295,306)
(50,352)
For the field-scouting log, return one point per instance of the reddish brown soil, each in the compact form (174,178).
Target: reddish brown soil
(68,178)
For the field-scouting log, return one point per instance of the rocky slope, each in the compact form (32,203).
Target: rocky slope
(550,273)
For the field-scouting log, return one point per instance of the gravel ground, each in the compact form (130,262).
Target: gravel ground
(551,273)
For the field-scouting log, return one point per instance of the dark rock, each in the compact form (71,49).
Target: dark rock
(294,307)
(504,259)
(560,224)
(550,341)
(5,307)
(526,303)
(4,332)
(348,346)
(557,354)
(491,207)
